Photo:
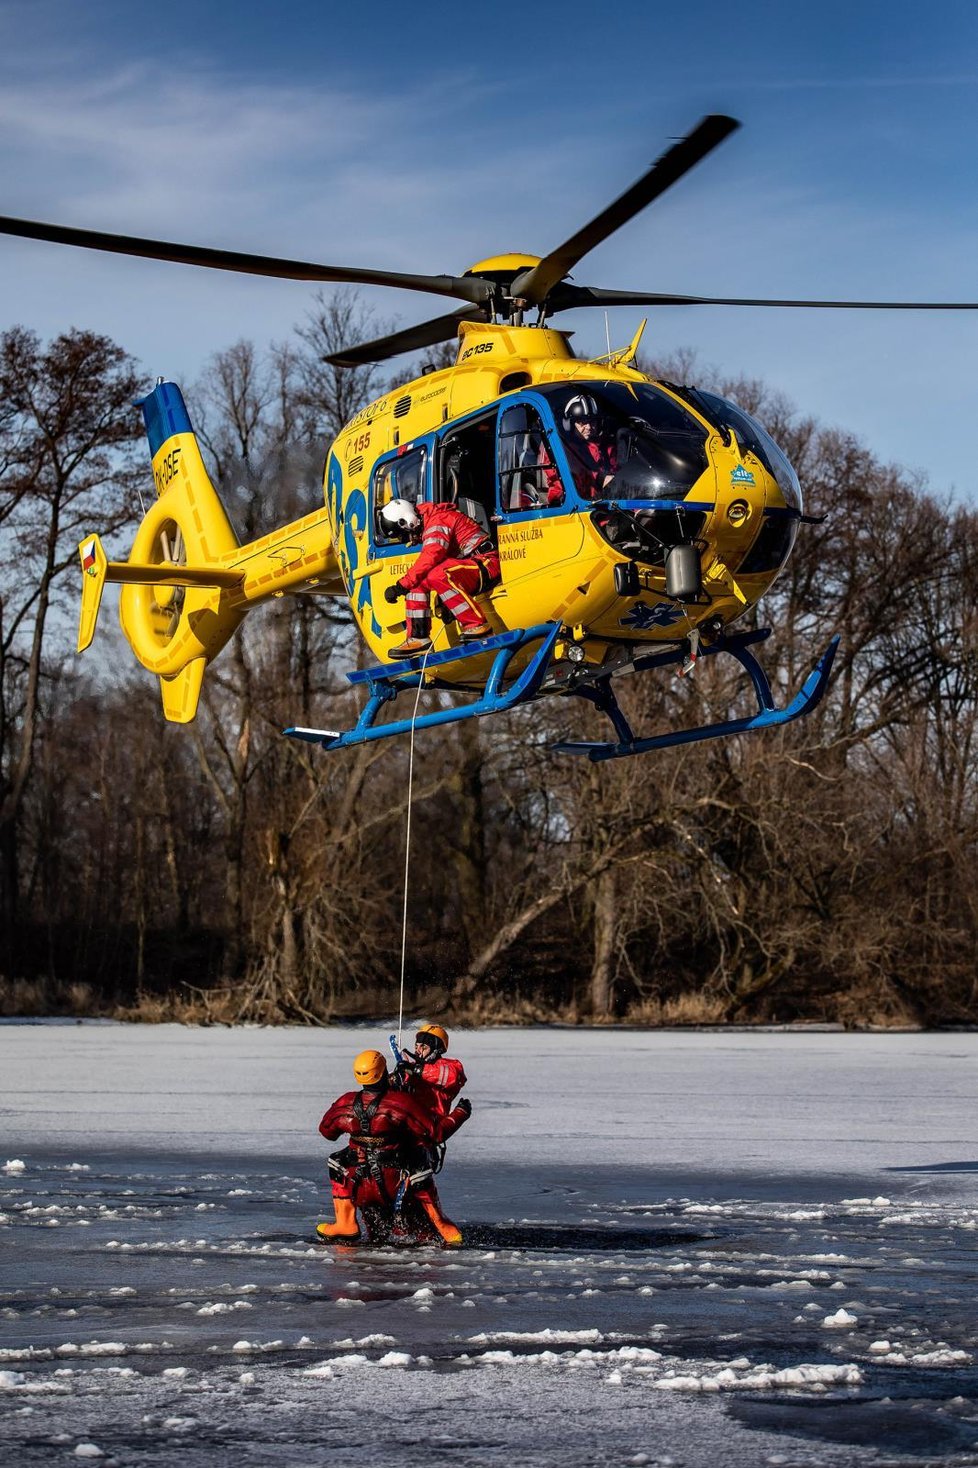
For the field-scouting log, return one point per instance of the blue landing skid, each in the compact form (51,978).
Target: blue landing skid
(601,695)
(385,683)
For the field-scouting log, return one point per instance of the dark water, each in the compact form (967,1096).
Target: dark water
(171,1313)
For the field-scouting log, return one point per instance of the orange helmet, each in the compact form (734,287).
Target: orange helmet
(368,1067)
(436,1037)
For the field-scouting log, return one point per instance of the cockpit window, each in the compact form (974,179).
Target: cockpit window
(627,442)
(754,439)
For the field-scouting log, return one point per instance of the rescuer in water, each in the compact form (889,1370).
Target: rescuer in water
(434,1079)
(428,1074)
(386,1127)
(457,561)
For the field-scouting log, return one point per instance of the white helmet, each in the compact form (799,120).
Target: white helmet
(400,519)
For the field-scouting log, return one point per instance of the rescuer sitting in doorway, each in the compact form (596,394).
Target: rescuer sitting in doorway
(386,1127)
(457,562)
(593,457)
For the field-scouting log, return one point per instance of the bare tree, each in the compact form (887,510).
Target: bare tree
(329,396)
(67,429)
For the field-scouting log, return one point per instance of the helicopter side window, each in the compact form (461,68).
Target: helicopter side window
(401,478)
(528,476)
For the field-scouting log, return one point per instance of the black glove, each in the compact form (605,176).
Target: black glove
(393,593)
(465,1107)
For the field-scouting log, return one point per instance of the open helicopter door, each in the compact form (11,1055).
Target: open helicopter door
(465,473)
(528,479)
(404,474)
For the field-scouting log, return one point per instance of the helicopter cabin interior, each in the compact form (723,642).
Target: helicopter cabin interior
(520,457)
(462,467)
(497,463)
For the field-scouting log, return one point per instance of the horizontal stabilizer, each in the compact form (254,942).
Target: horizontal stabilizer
(167,573)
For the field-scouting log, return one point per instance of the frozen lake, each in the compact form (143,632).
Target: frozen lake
(700,1249)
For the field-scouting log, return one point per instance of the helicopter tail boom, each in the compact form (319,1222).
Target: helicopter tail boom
(188,582)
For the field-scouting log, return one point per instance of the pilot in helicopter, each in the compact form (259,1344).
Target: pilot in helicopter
(593,457)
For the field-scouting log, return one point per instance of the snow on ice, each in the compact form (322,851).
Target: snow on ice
(768,1227)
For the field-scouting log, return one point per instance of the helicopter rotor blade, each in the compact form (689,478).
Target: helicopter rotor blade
(466,288)
(412,339)
(535,284)
(573,297)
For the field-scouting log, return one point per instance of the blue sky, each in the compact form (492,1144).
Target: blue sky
(421,137)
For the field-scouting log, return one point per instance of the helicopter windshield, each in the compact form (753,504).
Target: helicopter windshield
(628,442)
(753,438)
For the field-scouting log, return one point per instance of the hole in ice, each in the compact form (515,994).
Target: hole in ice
(574,1238)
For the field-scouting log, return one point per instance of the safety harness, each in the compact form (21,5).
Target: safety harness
(373,1153)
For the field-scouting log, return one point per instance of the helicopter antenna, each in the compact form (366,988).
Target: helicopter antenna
(607,333)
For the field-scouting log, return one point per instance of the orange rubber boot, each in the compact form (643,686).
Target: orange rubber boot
(345,1229)
(449,1232)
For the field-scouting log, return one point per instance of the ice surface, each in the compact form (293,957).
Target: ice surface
(645,1215)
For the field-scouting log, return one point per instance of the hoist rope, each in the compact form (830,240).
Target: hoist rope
(407,852)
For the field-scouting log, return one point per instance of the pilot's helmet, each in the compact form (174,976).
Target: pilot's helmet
(400,519)
(581,409)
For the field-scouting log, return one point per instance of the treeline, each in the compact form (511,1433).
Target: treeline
(825,871)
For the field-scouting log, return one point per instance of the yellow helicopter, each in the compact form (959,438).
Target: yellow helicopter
(639,551)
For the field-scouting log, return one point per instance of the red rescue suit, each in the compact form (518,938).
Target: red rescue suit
(457,561)
(384,1129)
(591,464)
(437,1084)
